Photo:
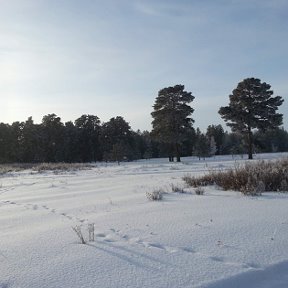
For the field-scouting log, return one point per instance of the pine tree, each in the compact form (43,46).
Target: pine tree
(212,146)
(88,140)
(217,132)
(171,118)
(52,138)
(30,142)
(6,139)
(252,106)
(117,139)
(202,145)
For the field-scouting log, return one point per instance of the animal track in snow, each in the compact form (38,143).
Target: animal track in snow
(67,216)
(188,250)
(217,259)
(35,207)
(105,237)
(5,189)
(9,202)
(118,236)
(160,246)
(237,264)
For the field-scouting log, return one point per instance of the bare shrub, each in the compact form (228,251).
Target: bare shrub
(198,181)
(60,167)
(260,187)
(78,231)
(91,229)
(40,167)
(177,188)
(7,168)
(250,178)
(155,195)
(91,233)
(252,188)
(199,190)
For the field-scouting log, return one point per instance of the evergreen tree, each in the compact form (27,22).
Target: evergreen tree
(88,138)
(139,144)
(53,138)
(252,106)
(275,140)
(171,118)
(16,130)
(151,146)
(31,148)
(232,144)
(5,143)
(217,132)
(189,143)
(71,143)
(116,138)
(202,145)
(212,146)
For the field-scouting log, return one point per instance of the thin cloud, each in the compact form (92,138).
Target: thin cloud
(115,56)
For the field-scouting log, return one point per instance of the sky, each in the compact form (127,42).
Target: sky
(110,58)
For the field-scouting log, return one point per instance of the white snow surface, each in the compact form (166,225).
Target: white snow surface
(220,239)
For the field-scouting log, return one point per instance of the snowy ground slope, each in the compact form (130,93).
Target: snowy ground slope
(220,239)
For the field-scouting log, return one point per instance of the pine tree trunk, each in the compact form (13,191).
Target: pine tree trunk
(177,150)
(250,144)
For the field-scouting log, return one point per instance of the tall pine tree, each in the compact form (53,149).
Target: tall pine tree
(252,106)
(171,118)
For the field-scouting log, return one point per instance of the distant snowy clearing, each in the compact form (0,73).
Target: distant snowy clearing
(216,240)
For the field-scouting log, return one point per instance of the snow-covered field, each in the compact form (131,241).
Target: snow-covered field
(221,239)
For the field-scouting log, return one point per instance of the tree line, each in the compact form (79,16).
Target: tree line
(88,140)
(251,114)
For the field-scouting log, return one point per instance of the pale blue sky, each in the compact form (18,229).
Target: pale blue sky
(111,57)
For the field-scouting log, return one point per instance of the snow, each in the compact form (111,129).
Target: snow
(221,239)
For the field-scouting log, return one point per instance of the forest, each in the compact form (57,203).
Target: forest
(87,139)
